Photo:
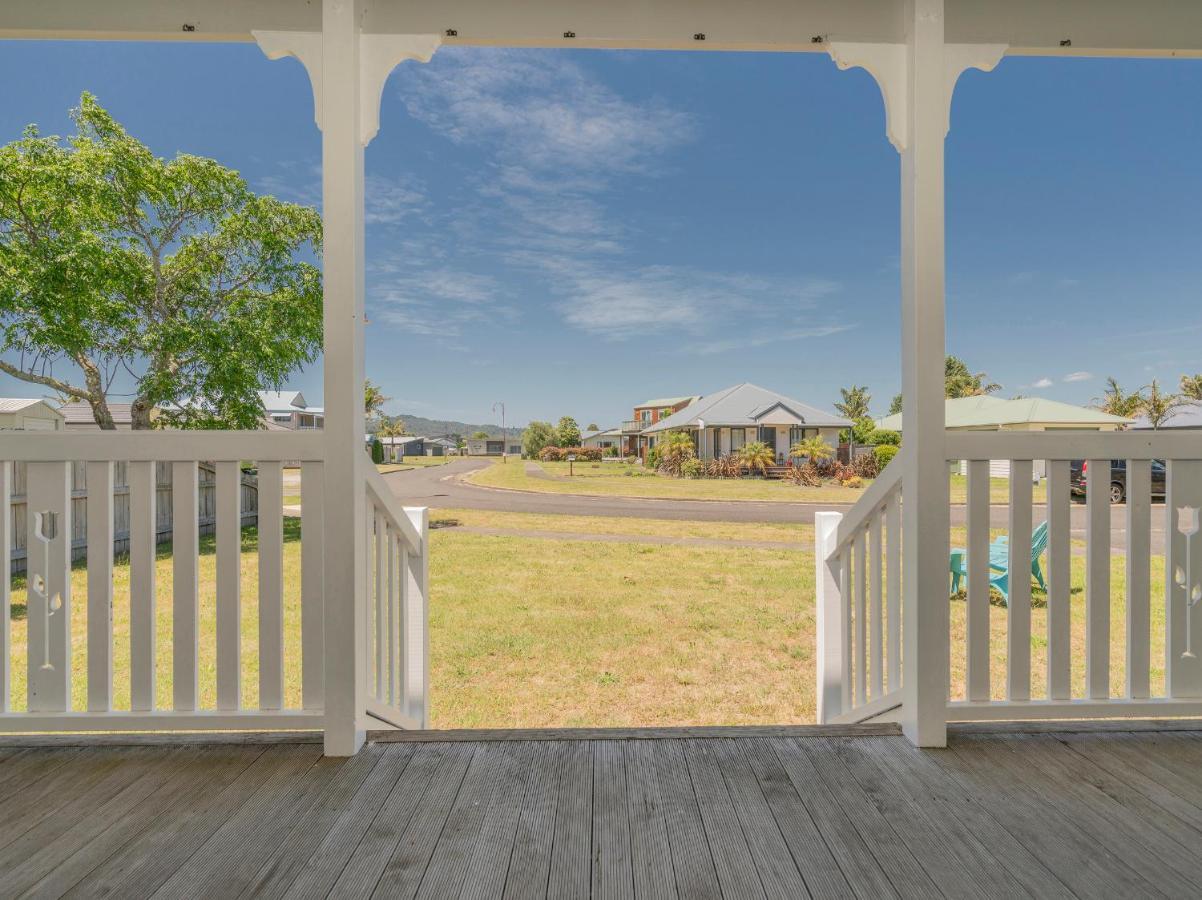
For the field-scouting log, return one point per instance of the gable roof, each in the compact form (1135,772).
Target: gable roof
(18,404)
(994,412)
(747,405)
(666,401)
(284,401)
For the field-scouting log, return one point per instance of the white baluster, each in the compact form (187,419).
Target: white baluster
(271,585)
(99,481)
(185,584)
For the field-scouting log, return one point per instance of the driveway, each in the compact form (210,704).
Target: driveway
(441,487)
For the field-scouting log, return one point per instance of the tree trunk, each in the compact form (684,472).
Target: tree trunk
(96,396)
(139,413)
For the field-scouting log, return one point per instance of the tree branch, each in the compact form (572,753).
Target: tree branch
(49,381)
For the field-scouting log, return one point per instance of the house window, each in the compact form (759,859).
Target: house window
(768,436)
(645,416)
(738,437)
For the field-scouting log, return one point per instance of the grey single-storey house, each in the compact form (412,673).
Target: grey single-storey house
(725,421)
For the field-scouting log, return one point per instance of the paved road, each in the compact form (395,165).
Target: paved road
(441,487)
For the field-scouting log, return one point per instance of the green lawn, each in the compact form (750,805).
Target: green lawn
(999,490)
(423,462)
(621,480)
(528,631)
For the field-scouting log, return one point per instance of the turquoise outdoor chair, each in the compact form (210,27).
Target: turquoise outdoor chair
(999,562)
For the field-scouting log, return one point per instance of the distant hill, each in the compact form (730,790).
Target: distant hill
(438,427)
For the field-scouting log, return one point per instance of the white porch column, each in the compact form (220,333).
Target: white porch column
(347,70)
(916,81)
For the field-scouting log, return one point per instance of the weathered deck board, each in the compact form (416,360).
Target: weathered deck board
(997,814)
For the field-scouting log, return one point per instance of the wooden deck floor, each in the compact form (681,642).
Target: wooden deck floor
(1052,814)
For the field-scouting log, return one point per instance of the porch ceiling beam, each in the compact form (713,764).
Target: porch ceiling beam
(1030,27)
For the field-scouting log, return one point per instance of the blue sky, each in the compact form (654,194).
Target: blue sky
(573,232)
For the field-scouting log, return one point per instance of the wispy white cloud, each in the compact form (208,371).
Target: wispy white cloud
(727,345)
(439,303)
(542,111)
(556,141)
(386,200)
(1042,383)
(1072,377)
(664,299)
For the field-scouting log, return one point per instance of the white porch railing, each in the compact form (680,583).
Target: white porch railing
(1163,677)
(859,623)
(398,576)
(186,665)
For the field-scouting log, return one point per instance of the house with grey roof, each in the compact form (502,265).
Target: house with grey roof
(290,410)
(1188,415)
(646,414)
(725,421)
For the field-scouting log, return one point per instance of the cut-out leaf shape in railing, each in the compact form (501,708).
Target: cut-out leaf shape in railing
(1188,525)
(45,530)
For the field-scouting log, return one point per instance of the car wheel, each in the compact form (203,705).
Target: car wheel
(1116,493)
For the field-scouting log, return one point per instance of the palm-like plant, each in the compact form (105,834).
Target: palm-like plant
(959,381)
(1159,406)
(757,456)
(855,402)
(390,427)
(1191,386)
(373,399)
(675,448)
(1117,402)
(813,447)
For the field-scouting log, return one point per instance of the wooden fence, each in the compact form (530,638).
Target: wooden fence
(207,507)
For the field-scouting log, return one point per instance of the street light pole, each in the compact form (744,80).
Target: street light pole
(504,431)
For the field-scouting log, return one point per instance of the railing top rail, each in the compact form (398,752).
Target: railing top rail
(378,490)
(882,488)
(1181,444)
(160,446)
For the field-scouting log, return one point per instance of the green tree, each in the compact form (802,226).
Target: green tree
(172,271)
(861,432)
(960,381)
(1117,402)
(592,426)
(854,404)
(567,432)
(757,456)
(1158,406)
(373,399)
(479,435)
(813,447)
(895,405)
(536,436)
(1191,386)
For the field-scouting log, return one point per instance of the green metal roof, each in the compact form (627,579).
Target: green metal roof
(666,401)
(996,412)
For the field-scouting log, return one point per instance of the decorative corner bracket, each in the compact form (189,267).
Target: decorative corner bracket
(379,54)
(888,64)
(957,59)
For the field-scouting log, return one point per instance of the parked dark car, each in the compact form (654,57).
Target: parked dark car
(1118,479)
